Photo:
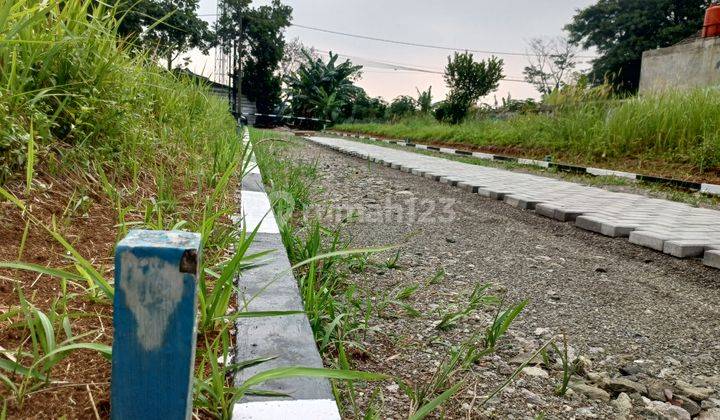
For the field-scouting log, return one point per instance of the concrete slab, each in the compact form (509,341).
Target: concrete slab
(712,259)
(685,248)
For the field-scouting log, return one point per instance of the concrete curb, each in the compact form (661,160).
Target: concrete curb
(709,189)
(672,228)
(271,286)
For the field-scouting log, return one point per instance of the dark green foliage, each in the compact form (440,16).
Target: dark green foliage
(261,49)
(402,106)
(320,90)
(468,81)
(621,30)
(167,28)
(364,108)
(424,100)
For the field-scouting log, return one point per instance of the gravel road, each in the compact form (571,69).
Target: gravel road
(632,314)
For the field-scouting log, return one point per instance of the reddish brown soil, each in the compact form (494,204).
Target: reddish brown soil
(83,377)
(81,383)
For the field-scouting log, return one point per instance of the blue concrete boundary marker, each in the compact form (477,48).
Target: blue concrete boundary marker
(709,189)
(271,286)
(154,325)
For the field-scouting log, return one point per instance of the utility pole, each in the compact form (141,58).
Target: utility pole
(239,86)
(236,77)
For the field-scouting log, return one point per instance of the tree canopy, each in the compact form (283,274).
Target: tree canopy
(468,81)
(167,28)
(258,34)
(319,89)
(621,30)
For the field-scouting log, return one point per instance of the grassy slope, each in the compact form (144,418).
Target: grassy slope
(674,134)
(93,141)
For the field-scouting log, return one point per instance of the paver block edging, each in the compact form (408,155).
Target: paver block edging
(674,228)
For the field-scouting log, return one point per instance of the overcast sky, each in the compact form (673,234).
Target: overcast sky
(503,26)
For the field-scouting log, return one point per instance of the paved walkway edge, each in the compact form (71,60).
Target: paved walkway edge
(672,228)
(271,286)
(709,189)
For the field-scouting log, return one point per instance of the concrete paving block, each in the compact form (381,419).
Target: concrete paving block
(546,210)
(685,248)
(712,259)
(649,239)
(468,186)
(654,223)
(494,194)
(520,202)
(617,230)
(449,180)
(591,223)
(567,215)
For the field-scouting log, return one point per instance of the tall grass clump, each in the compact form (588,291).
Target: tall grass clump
(674,129)
(77,93)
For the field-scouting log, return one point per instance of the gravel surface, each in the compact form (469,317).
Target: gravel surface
(644,325)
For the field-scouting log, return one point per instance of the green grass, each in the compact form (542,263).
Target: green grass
(158,151)
(670,130)
(72,95)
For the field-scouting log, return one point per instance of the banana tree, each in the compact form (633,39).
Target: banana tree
(319,89)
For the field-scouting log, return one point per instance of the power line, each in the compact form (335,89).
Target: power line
(412,44)
(374,63)
(415,44)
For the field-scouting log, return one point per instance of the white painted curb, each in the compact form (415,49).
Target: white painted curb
(280,410)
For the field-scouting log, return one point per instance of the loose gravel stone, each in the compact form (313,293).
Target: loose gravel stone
(618,385)
(590,391)
(711,414)
(535,371)
(689,405)
(631,310)
(623,404)
(695,392)
(666,411)
(658,389)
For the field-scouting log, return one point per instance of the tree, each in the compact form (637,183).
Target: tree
(621,30)
(361,107)
(320,89)
(551,63)
(402,106)
(293,56)
(167,28)
(468,81)
(424,100)
(257,37)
